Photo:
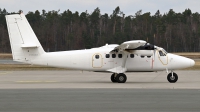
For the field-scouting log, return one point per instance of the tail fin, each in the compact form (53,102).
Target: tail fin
(24,43)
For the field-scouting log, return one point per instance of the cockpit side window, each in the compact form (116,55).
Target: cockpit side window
(161,53)
(164,51)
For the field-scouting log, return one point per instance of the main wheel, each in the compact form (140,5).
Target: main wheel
(172,79)
(121,78)
(113,78)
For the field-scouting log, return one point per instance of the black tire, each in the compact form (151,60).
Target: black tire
(121,78)
(113,78)
(172,79)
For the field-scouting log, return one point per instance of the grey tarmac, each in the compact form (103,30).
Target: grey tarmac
(99,100)
(79,79)
(75,91)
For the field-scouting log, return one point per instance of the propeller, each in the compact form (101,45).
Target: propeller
(153,58)
(154,52)
(148,46)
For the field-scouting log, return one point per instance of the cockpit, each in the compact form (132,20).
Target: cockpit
(162,52)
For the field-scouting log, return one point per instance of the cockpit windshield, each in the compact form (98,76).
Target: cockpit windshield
(162,52)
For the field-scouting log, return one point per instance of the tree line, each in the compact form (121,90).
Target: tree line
(60,31)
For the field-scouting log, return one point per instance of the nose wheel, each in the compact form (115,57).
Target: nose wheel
(172,77)
(120,78)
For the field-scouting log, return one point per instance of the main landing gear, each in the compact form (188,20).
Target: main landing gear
(172,77)
(120,78)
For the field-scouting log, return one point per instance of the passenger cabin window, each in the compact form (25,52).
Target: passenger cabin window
(97,56)
(148,56)
(120,55)
(113,55)
(107,55)
(161,53)
(142,56)
(132,55)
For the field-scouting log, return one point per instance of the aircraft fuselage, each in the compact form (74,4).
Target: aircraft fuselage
(101,60)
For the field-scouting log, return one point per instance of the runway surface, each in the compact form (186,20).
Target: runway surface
(99,100)
(77,79)
(9,61)
(74,91)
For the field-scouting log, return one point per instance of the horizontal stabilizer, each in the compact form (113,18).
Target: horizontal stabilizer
(29,46)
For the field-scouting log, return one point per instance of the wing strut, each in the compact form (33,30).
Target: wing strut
(122,68)
(123,48)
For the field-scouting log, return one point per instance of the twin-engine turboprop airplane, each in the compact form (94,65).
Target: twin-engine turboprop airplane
(130,56)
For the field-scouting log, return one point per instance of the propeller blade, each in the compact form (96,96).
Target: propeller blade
(153,58)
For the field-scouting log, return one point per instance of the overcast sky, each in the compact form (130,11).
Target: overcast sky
(129,7)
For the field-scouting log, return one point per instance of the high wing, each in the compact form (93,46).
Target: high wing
(123,48)
(129,45)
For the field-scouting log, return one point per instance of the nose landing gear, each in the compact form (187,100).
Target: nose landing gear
(120,78)
(172,77)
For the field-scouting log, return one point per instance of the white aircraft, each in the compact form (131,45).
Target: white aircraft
(130,56)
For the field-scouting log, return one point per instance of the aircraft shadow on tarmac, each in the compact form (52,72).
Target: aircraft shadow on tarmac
(108,82)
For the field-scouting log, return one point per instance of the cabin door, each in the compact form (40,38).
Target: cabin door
(97,60)
(163,57)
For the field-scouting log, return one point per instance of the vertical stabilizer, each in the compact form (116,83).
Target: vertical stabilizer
(24,43)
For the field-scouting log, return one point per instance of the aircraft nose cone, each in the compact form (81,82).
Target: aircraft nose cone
(192,62)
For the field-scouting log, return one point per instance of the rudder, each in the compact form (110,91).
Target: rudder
(24,43)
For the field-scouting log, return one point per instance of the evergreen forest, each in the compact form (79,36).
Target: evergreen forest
(61,31)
